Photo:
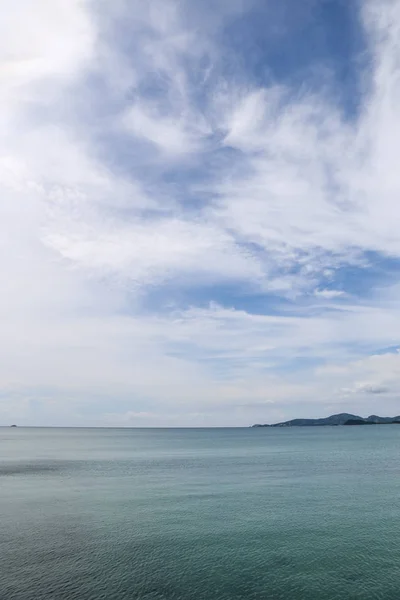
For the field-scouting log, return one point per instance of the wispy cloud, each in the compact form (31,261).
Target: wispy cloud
(185,239)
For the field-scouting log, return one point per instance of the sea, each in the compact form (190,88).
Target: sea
(302,513)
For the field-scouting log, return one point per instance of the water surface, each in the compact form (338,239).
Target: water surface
(200,514)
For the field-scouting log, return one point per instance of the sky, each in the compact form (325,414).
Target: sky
(199,211)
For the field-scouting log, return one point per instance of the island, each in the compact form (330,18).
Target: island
(334,420)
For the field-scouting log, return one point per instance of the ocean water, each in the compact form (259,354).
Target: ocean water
(200,514)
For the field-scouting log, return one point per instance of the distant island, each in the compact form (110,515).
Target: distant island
(340,419)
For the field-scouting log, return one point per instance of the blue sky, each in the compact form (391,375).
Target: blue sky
(199,211)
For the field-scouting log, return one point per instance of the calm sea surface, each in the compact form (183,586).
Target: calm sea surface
(200,514)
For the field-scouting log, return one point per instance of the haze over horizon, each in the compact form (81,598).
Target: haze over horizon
(199,211)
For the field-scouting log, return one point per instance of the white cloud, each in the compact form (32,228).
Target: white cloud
(165,133)
(328,293)
(41,48)
(286,191)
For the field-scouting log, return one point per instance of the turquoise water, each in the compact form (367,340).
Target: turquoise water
(206,514)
